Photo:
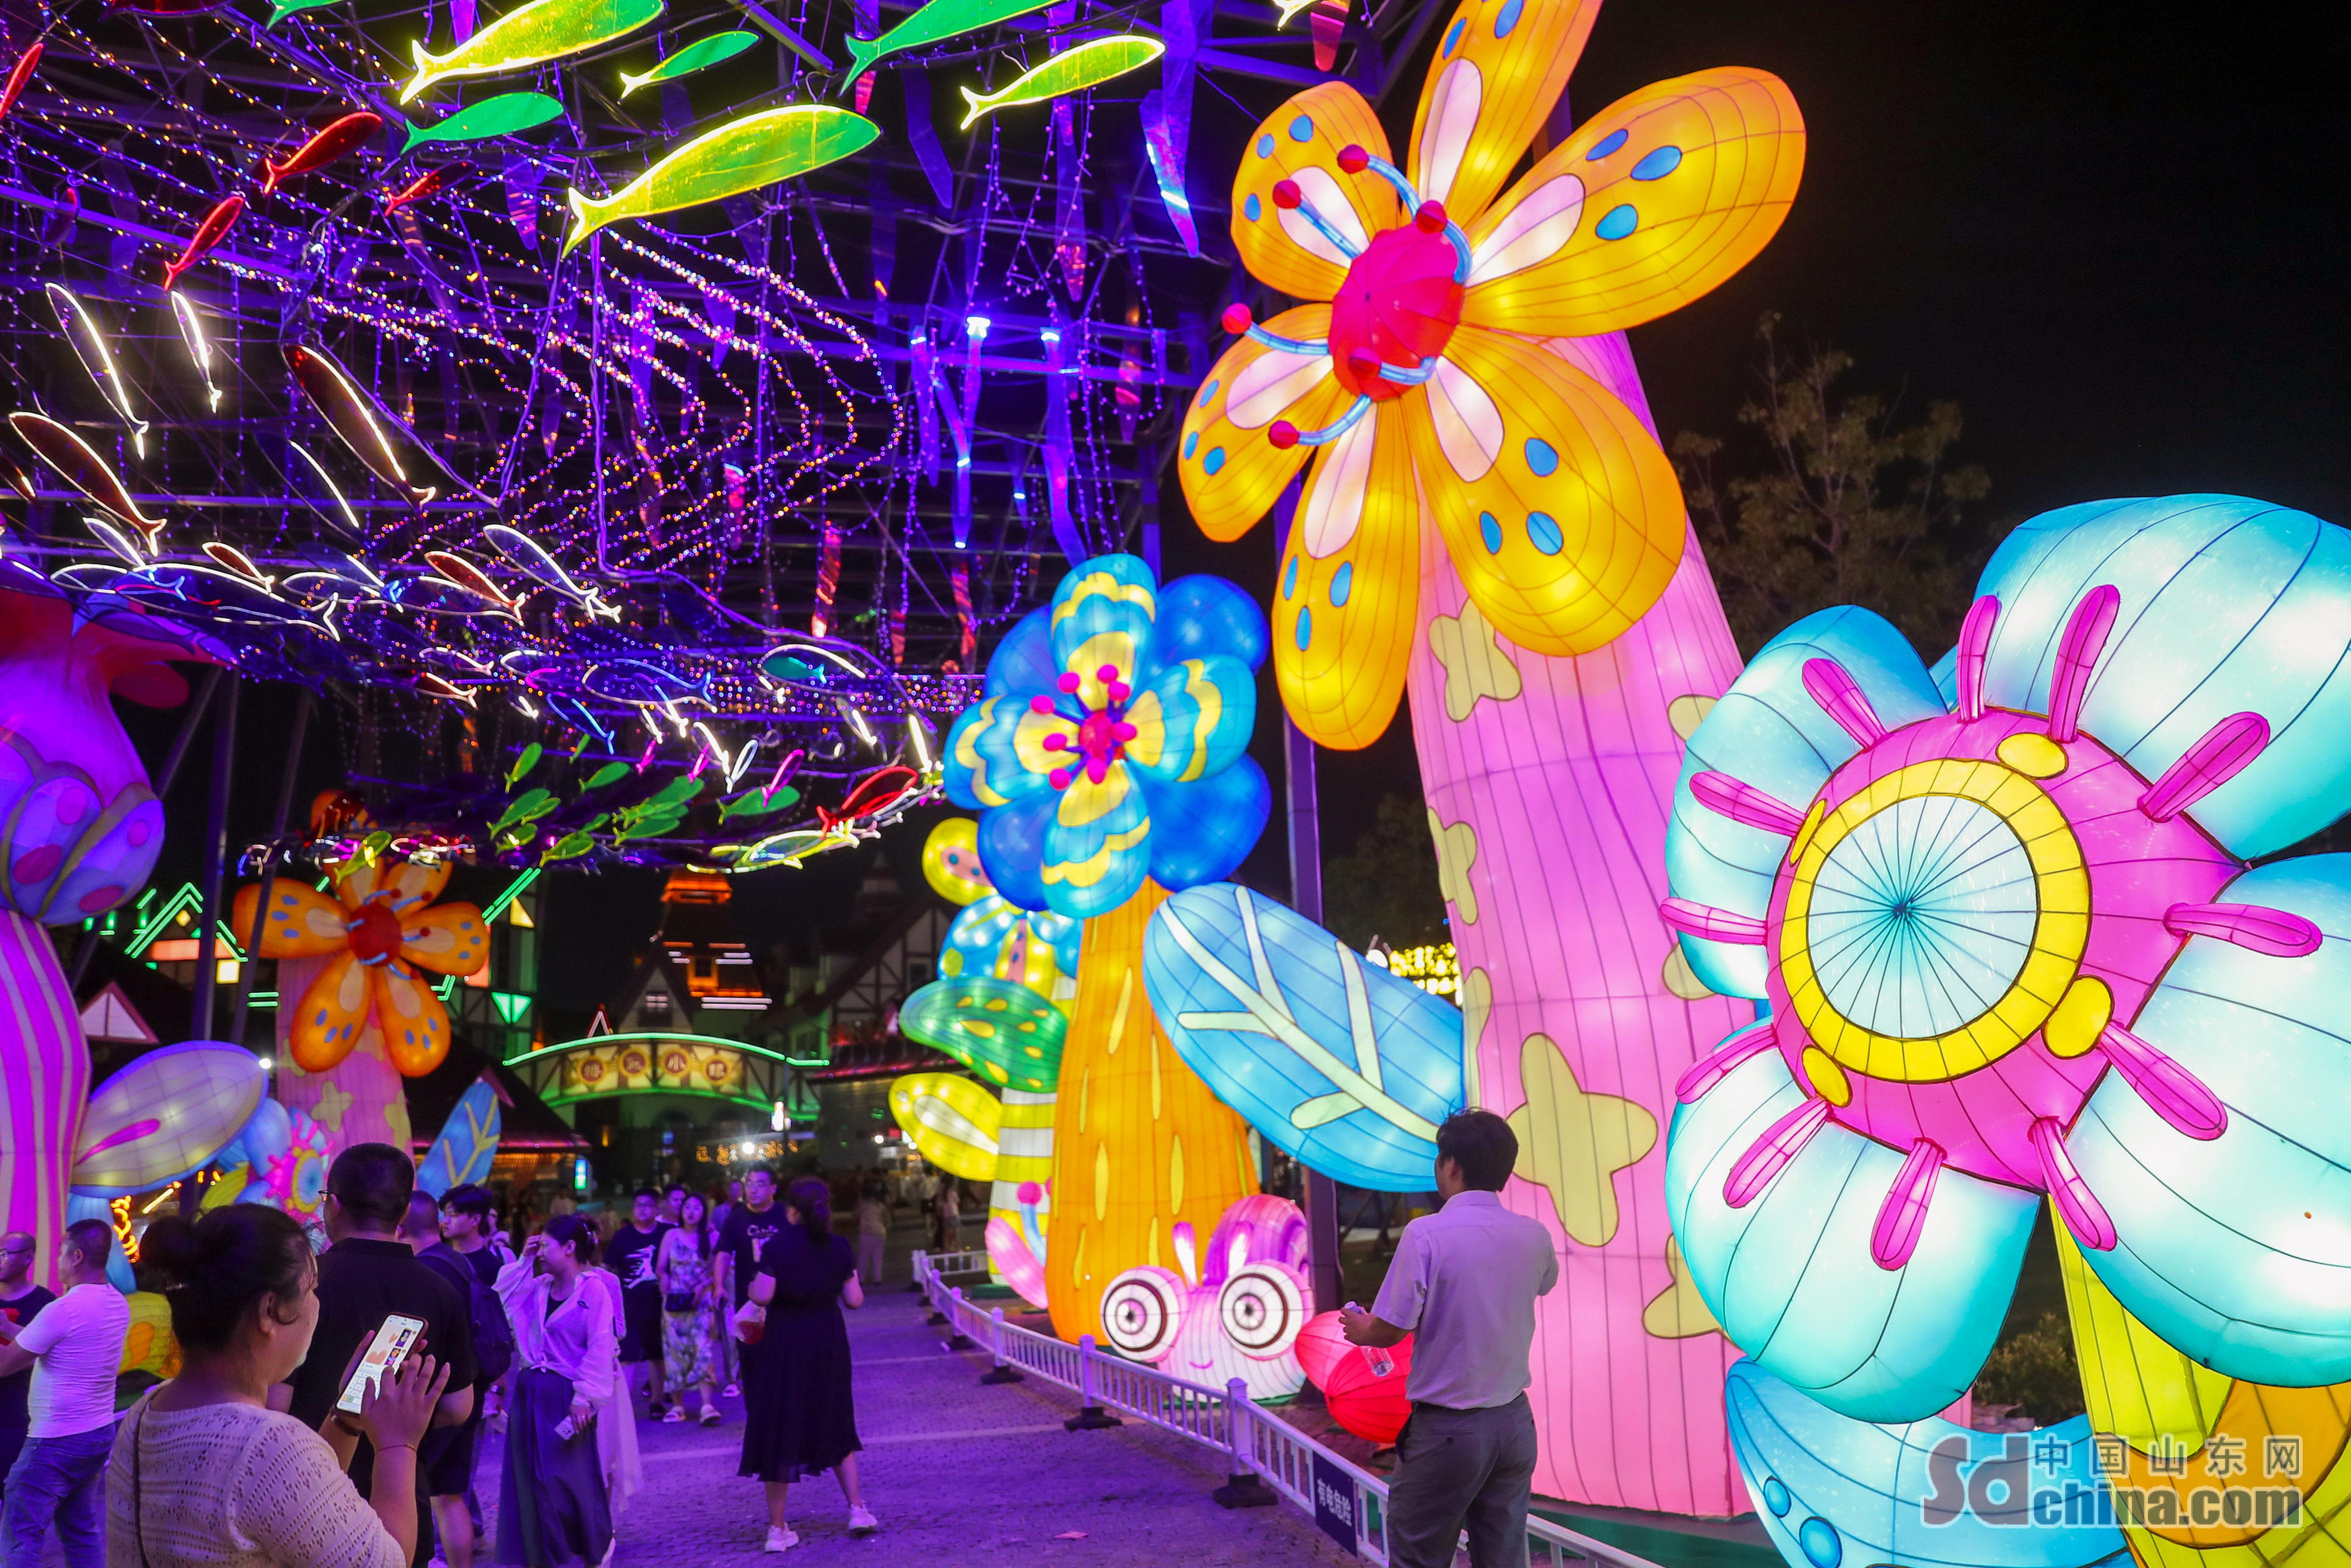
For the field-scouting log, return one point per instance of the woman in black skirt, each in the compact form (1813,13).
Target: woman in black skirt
(799,1418)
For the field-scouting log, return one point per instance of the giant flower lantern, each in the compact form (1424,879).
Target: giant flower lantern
(1109,755)
(1489,524)
(1113,742)
(381,935)
(2004,919)
(79,830)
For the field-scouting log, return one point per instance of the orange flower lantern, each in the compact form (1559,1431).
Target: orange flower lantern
(381,932)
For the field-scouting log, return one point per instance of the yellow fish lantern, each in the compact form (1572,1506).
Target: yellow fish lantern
(742,155)
(951,1120)
(1138,1142)
(532,35)
(1091,64)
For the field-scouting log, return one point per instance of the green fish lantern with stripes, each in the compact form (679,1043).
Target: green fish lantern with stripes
(541,31)
(493,117)
(742,155)
(1091,64)
(694,57)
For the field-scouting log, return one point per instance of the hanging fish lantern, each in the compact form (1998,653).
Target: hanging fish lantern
(364,425)
(542,31)
(237,562)
(59,227)
(505,115)
(531,558)
(455,569)
(345,135)
(281,9)
(742,155)
(79,466)
(88,342)
(694,57)
(430,184)
(209,234)
(939,20)
(1091,64)
(342,522)
(20,77)
(199,347)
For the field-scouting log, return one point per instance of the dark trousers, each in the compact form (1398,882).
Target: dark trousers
(1462,1469)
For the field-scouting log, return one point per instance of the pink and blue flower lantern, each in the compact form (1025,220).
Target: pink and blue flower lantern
(2003,920)
(1112,746)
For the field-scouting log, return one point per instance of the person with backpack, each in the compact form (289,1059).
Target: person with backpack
(464,1257)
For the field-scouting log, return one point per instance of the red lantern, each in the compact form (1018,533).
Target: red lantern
(1365,1403)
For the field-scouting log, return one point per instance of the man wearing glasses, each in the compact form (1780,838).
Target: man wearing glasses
(21,1302)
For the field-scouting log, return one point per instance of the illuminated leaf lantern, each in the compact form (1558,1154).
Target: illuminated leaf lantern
(1109,755)
(1488,522)
(381,934)
(2003,918)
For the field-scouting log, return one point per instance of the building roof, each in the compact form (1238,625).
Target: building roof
(526,1125)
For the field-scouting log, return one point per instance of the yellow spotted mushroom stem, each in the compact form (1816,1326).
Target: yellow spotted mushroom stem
(1139,1143)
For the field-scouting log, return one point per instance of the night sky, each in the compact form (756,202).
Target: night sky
(2118,236)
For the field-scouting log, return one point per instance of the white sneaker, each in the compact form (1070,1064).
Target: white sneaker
(780,1539)
(862,1520)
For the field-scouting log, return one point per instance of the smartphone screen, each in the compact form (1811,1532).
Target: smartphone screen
(390,1347)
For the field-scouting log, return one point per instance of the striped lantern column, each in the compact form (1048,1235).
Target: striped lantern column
(1549,781)
(44,1085)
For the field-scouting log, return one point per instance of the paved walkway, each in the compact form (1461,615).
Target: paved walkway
(959,1473)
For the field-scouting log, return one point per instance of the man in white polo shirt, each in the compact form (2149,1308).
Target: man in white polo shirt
(75,1348)
(1464,1282)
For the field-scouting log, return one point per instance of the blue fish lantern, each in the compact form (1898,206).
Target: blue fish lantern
(1334,1061)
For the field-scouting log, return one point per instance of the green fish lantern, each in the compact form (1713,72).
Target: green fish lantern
(693,58)
(938,20)
(282,9)
(1089,65)
(500,116)
(742,155)
(541,31)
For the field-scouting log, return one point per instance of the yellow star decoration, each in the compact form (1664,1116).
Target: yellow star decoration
(1686,713)
(1456,851)
(333,1100)
(1573,1143)
(1680,979)
(1477,1005)
(1476,662)
(1678,1311)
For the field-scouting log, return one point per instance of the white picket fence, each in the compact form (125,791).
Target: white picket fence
(1265,1458)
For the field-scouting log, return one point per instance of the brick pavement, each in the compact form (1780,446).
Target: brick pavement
(960,1475)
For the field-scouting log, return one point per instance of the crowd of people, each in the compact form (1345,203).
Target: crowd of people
(330,1406)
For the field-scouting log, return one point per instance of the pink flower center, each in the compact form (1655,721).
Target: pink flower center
(1102,733)
(1399,307)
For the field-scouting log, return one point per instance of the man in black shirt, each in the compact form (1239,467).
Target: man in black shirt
(367,1275)
(21,1302)
(630,1255)
(750,1226)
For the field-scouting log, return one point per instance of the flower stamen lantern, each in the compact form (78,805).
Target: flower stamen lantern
(381,934)
(1108,758)
(2011,943)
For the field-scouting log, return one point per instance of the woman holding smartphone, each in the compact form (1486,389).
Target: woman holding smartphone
(204,1472)
(553,1510)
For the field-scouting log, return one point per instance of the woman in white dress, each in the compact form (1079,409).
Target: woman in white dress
(554,1508)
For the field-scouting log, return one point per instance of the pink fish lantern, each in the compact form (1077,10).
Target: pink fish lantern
(1240,1316)
(79,830)
(1371,1405)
